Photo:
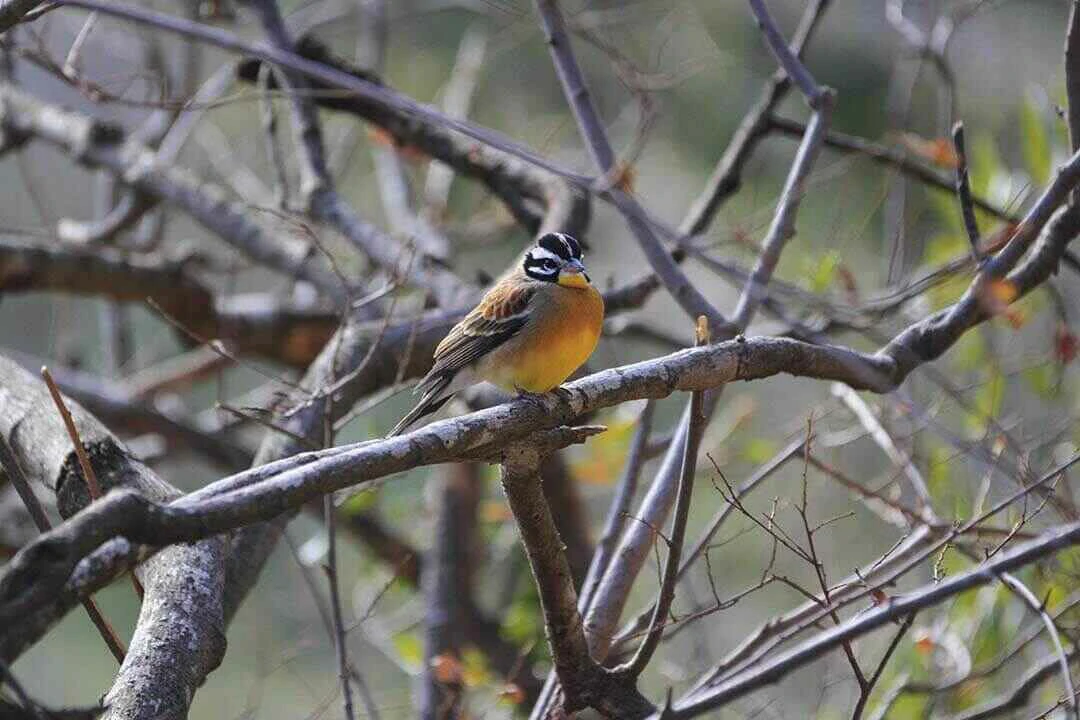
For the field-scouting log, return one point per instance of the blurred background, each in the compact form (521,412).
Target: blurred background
(672,80)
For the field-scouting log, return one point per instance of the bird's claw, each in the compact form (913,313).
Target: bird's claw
(528,396)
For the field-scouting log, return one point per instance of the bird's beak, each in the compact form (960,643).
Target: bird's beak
(576,266)
(573,274)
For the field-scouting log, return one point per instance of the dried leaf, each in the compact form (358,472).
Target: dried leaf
(410,153)
(1065,344)
(624,175)
(938,151)
(997,297)
(447,669)
(495,511)
(511,694)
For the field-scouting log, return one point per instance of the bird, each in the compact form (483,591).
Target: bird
(538,324)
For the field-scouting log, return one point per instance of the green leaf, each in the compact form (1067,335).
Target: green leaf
(984,163)
(360,502)
(758,450)
(987,405)
(409,648)
(947,210)
(820,274)
(1034,139)
(1042,379)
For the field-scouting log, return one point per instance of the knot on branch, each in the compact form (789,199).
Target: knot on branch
(525,454)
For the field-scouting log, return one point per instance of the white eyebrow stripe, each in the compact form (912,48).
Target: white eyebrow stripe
(539,252)
(566,244)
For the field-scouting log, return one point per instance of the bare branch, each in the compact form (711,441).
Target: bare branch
(963,192)
(619,508)
(520,186)
(897,607)
(783,223)
(864,693)
(100,145)
(636,665)
(788,60)
(585,682)
(592,131)
(726,178)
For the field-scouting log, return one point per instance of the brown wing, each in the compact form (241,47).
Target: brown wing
(500,315)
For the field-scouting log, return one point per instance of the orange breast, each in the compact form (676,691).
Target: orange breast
(549,349)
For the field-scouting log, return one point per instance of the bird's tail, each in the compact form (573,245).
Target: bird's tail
(432,400)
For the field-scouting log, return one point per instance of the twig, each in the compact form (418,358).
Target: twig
(318,71)
(1019,694)
(727,176)
(889,157)
(89,477)
(269,127)
(763,673)
(788,60)
(815,562)
(783,223)
(592,131)
(71,63)
(702,546)
(963,193)
(619,508)
(1039,608)
(640,661)
(330,568)
(317,188)
(10,465)
(864,693)
(907,545)
(99,144)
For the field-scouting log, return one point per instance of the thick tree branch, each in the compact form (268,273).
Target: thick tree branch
(41,447)
(98,144)
(317,187)
(254,323)
(539,200)
(585,683)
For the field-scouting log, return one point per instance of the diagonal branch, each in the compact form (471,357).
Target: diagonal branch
(769,671)
(636,665)
(782,227)
(585,683)
(726,178)
(592,131)
(97,144)
(788,59)
(522,187)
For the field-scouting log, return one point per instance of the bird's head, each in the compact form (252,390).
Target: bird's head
(556,258)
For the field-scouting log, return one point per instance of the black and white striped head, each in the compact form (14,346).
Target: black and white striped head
(556,258)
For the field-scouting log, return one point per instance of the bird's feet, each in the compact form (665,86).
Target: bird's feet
(532,398)
(538,398)
(562,393)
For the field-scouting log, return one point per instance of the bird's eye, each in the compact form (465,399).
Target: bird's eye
(549,265)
